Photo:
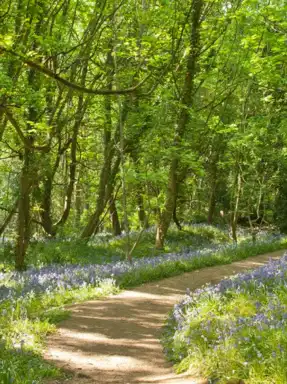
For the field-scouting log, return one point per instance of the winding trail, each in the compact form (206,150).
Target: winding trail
(116,340)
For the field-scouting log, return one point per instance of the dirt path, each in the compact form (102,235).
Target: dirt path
(116,340)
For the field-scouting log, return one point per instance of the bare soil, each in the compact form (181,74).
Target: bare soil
(116,340)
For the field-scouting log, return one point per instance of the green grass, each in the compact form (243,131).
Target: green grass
(25,326)
(102,249)
(23,331)
(234,334)
(174,268)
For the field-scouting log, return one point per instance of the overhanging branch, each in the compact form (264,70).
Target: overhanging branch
(76,87)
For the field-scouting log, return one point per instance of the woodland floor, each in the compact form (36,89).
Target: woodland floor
(116,340)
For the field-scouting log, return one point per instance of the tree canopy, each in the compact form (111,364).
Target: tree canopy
(124,114)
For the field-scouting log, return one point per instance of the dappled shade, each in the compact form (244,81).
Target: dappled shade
(116,340)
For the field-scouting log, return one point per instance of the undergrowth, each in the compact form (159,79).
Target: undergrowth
(26,321)
(234,330)
(24,325)
(222,256)
(104,248)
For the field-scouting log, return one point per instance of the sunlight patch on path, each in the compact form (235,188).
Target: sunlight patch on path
(116,340)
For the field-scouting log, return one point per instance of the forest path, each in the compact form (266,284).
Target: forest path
(116,340)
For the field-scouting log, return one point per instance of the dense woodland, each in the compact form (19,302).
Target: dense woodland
(118,115)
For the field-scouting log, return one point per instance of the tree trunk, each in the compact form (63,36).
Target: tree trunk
(187,102)
(78,203)
(166,215)
(139,189)
(46,205)
(234,215)
(24,219)
(141,210)
(175,219)
(93,222)
(29,168)
(73,164)
(27,178)
(213,171)
(115,218)
(45,212)
(106,182)
(212,197)
(212,205)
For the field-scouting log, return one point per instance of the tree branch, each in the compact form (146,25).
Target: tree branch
(76,87)
(9,217)
(18,129)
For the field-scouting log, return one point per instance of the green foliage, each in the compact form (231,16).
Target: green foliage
(104,248)
(238,333)
(23,331)
(280,212)
(221,257)
(236,123)
(66,155)
(20,367)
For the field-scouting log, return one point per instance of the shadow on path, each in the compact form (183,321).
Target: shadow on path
(116,340)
